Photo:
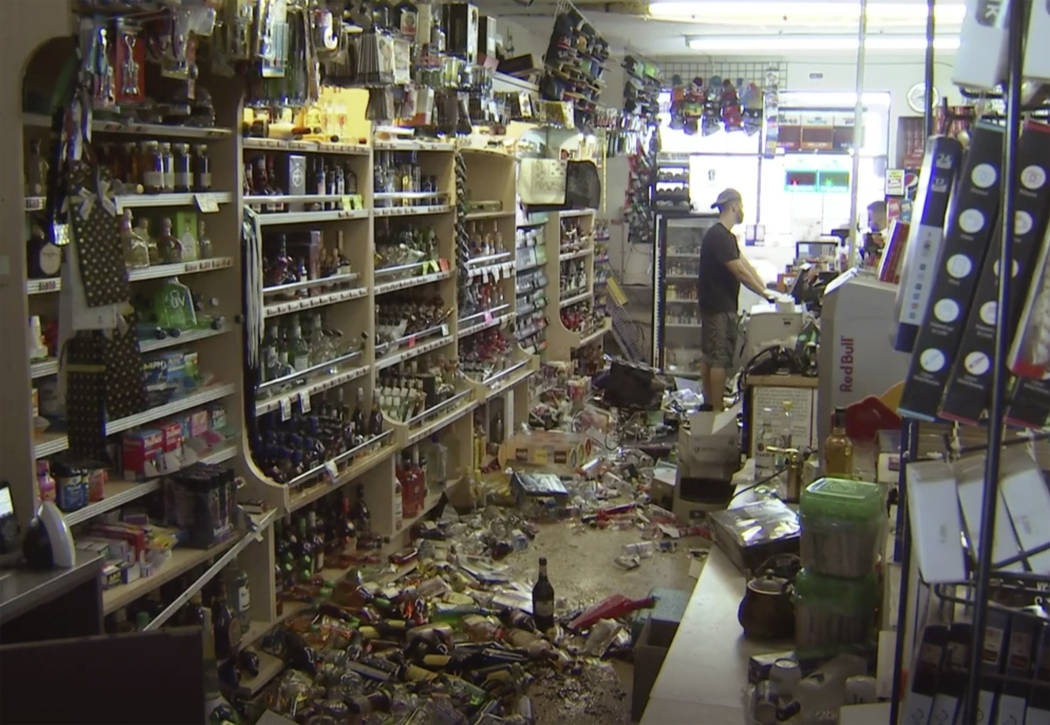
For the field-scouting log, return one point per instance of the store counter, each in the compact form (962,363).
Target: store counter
(704,675)
(51,604)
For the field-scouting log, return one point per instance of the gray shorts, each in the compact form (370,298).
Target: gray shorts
(718,332)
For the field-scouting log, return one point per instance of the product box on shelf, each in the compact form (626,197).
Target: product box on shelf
(933,512)
(972,217)
(141,451)
(184,227)
(547,448)
(1028,501)
(980,61)
(969,472)
(200,500)
(1036,59)
(925,234)
(966,396)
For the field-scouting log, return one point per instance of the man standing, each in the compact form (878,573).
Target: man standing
(722,271)
(875,238)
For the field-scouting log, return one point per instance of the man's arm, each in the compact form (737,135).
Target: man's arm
(746,275)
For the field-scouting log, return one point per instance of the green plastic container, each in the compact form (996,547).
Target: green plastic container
(831,611)
(842,524)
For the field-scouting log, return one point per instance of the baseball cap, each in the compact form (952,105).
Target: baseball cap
(727,196)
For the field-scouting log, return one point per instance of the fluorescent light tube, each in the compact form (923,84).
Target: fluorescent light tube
(751,11)
(816,43)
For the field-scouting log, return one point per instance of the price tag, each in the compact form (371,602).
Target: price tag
(304,401)
(444,330)
(206,203)
(488,315)
(286,409)
(332,470)
(443,265)
(411,342)
(348,205)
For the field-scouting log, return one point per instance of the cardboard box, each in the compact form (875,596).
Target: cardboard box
(981,59)
(140,451)
(967,394)
(546,448)
(925,236)
(1028,501)
(1036,59)
(971,221)
(933,513)
(650,649)
(184,227)
(198,423)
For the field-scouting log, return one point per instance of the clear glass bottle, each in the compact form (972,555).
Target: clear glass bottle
(168,244)
(152,165)
(203,241)
(167,159)
(202,168)
(298,350)
(136,247)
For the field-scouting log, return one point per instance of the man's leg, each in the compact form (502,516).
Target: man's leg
(715,388)
(705,382)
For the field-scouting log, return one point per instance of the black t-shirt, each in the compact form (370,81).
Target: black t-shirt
(718,288)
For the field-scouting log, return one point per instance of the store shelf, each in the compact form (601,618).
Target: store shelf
(681,278)
(120,493)
(43,368)
(485,324)
(432,427)
(680,300)
(400,284)
(502,270)
(158,271)
(311,370)
(182,560)
(156,130)
(569,213)
(413,145)
(596,335)
(575,299)
(296,394)
(43,286)
(429,503)
(305,495)
(35,203)
(317,147)
(201,199)
(47,445)
(400,195)
(331,466)
(472,216)
(309,303)
(308,283)
(413,210)
(693,256)
(269,668)
(304,217)
(686,325)
(565,256)
(183,339)
(415,351)
(509,380)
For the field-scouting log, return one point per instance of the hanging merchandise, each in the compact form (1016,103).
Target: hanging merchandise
(574,64)
(638,213)
(771,115)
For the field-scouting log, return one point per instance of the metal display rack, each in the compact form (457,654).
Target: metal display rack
(980,582)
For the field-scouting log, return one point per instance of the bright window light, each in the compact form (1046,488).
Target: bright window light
(817,43)
(751,11)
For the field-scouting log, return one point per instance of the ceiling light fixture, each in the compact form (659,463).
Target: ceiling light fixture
(751,11)
(815,43)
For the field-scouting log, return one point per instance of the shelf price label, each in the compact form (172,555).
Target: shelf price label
(304,401)
(332,470)
(206,203)
(286,409)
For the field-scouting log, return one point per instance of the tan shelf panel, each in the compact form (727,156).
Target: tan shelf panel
(420,349)
(309,303)
(183,339)
(413,145)
(189,198)
(471,216)
(298,146)
(575,299)
(412,210)
(40,120)
(158,271)
(47,445)
(306,217)
(565,256)
(400,284)
(43,286)
(43,368)
(575,213)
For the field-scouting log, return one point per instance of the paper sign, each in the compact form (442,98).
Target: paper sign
(444,330)
(443,265)
(206,203)
(286,409)
(332,470)
(488,315)
(894,182)
(411,342)
(304,401)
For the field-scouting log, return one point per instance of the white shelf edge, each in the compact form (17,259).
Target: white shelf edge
(408,282)
(189,198)
(422,349)
(309,217)
(265,406)
(322,147)
(566,256)
(309,303)
(575,299)
(43,368)
(412,210)
(186,337)
(158,271)
(43,286)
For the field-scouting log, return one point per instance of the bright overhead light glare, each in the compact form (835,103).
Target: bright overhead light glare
(746,11)
(816,43)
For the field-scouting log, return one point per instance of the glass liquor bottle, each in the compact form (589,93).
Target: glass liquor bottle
(203,240)
(136,248)
(316,528)
(543,599)
(358,418)
(375,420)
(361,516)
(169,245)
(222,625)
(838,448)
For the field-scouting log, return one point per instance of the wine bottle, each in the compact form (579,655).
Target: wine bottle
(543,599)
(222,625)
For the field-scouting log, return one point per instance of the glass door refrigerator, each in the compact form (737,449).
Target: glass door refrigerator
(676,316)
